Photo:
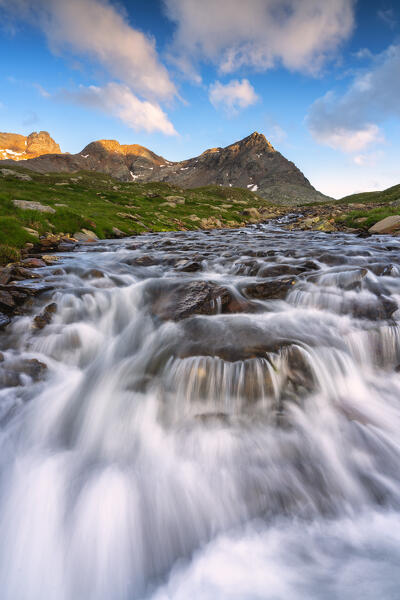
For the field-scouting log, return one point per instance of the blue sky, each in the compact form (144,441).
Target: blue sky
(320,79)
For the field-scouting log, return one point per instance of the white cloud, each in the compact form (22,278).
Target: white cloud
(118,100)
(388,17)
(351,122)
(300,34)
(369,159)
(96,29)
(232,96)
(348,139)
(277,134)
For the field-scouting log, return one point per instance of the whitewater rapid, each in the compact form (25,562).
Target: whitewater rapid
(246,455)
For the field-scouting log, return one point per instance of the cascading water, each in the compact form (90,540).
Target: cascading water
(251,454)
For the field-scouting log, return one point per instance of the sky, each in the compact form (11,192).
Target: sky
(320,79)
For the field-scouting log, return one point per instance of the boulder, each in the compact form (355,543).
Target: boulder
(30,205)
(33,263)
(191,298)
(252,212)
(16,174)
(387,225)
(85,236)
(270,290)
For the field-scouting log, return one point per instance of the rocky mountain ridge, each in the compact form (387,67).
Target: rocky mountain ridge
(251,163)
(20,147)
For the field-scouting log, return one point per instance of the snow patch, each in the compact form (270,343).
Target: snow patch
(133,176)
(12,152)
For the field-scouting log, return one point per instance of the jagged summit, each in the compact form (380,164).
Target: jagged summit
(251,163)
(19,147)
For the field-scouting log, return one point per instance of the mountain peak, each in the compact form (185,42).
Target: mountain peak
(19,147)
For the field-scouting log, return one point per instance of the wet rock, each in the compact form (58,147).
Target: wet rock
(278,270)
(12,372)
(269,290)
(240,339)
(387,225)
(142,261)
(248,267)
(298,370)
(191,298)
(33,263)
(332,259)
(7,302)
(4,321)
(93,274)
(190,266)
(49,259)
(17,273)
(382,309)
(40,321)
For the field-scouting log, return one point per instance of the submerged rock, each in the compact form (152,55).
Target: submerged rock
(40,321)
(184,300)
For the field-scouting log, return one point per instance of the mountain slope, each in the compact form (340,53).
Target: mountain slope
(251,163)
(391,194)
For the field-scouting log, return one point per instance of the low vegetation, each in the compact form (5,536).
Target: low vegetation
(95,201)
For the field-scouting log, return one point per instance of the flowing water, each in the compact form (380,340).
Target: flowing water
(249,455)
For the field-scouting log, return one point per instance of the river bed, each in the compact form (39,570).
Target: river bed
(246,447)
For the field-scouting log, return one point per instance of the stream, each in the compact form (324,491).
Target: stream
(247,447)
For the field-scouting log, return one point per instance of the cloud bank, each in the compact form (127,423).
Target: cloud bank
(97,30)
(351,122)
(118,100)
(232,96)
(299,34)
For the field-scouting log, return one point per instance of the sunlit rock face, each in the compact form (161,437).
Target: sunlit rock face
(251,163)
(19,147)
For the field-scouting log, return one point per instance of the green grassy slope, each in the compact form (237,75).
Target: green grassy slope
(390,195)
(387,203)
(98,202)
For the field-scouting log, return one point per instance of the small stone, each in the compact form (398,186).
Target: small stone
(31,231)
(118,233)
(175,199)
